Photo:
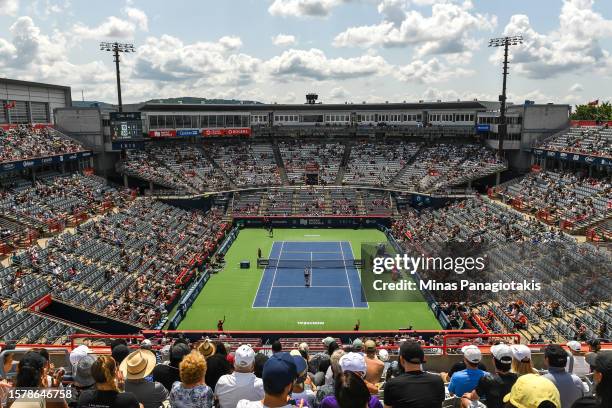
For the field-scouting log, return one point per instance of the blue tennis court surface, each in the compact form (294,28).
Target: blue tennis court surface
(283,284)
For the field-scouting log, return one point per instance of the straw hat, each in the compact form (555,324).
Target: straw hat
(138,364)
(207,348)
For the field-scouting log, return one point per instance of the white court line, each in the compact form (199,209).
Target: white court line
(311,272)
(275,270)
(359,277)
(299,286)
(346,273)
(312,252)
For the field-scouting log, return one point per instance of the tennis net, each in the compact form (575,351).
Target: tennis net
(307,263)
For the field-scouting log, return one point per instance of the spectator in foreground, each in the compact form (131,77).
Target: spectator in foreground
(569,385)
(414,388)
(279,374)
(302,392)
(350,392)
(493,387)
(134,369)
(328,389)
(31,375)
(191,391)
(465,381)
(602,375)
(218,365)
(533,391)
(521,360)
(374,366)
(83,380)
(107,393)
(242,383)
(168,374)
(577,363)
(120,352)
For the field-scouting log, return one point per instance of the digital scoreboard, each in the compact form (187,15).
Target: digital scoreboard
(125,126)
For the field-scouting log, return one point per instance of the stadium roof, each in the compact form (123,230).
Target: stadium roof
(162,107)
(28,83)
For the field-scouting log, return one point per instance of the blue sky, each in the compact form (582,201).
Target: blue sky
(345,50)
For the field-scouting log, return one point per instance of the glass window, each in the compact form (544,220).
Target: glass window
(3,115)
(40,112)
(20,113)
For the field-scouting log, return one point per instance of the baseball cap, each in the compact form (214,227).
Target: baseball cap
(502,353)
(370,345)
(327,341)
(521,352)
(472,354)
(574,345)
(354,362)
(603,362)
(383,354)
(412,352)
(530,390)
(244,356)
(278,372)
(82,375)
(300,363)
(146,344)
(78,353)
(357,345)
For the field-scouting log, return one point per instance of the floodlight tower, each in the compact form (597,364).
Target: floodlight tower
(502,128)
(116,48)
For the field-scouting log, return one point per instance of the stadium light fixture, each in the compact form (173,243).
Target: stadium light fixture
(505,42)
(117,48)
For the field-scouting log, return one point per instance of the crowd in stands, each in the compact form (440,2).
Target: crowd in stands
(247,164)
(125,264)
(204,374)
(594,141)
(297,155)
(26,142)
(563,196)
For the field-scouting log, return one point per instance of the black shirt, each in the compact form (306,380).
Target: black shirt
(107,399)
(415,389)
(587,402)
(217,365)
(166,375)
(493,388)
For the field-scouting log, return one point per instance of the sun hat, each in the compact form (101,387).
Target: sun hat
(530,390)
(82,375)
(138,364)
(207,348)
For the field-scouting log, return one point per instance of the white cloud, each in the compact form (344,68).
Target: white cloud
(339,94)
(139,17)
(576,88)
(230,42)
(9,7)
(446,31)
(304,8)
(284,40)
(431,71)
(114,27)
(314,64)
(573,47)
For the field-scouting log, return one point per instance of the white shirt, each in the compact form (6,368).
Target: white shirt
(234,387)
(257,404)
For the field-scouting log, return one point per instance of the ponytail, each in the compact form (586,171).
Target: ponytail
(30,370)
(103,371)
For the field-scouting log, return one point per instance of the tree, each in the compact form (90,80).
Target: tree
(600,112)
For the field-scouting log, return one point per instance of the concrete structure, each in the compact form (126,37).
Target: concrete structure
(31,102)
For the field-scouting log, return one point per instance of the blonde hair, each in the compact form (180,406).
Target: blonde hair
(335,361)
(523,367)
(193,368)
(104,370)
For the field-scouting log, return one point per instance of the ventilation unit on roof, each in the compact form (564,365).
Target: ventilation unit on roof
(311,98)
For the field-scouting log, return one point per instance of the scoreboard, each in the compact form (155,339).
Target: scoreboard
(125,126)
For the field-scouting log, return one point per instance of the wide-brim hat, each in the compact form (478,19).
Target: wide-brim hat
(138,364)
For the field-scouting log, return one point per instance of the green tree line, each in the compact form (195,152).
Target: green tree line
(599,112)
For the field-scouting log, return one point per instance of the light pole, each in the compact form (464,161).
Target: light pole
(502,128)
(116,48)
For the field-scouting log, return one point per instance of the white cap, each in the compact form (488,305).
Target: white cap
(574,345)
(383,354)
(472,354)
(78,353)
(521,352)
(502,352)
(327,341)
(354,362)
(244,356)
(146,343)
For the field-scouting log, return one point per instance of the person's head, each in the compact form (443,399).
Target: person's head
(78,353)
(146,344)
(502,357)
(357,346)
(115,342)
(411,356)
(521,359)
(304,350)
(335,361)
(602,375)
(555,356)
(332,346)
(177,352)
(260,361)
(192,368)
(575,347)
(533,391)
(354,362)
(595,345)
(207,348)
(82,374)
(370,348)
(44,353)
(279,374)
(30,370)
(138,365)
(277,347)
(471,356)
(244,359)
(120,352)
(351,391)
(104,372)
(301,367)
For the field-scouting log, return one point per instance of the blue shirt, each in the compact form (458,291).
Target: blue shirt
(465,381)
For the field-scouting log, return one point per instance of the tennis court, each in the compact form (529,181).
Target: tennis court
(334,282)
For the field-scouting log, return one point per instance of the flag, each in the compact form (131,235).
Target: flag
(9,105)
(594,103)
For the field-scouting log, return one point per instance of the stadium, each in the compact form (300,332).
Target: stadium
(435,236)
